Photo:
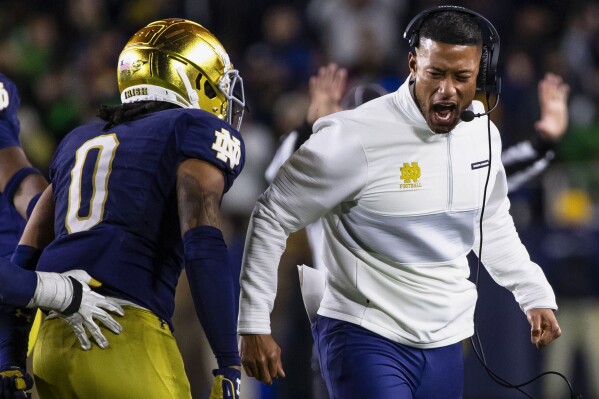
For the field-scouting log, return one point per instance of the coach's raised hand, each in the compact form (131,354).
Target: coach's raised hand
(69,294)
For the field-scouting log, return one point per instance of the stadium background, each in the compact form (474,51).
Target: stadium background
(62,55)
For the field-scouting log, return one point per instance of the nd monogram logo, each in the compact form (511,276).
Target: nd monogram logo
(228,149)
(410,173)
(4,100)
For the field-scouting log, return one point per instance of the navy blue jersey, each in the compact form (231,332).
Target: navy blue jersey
(11,227)
(11,222)
(116,206)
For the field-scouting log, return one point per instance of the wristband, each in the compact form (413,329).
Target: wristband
(77,297)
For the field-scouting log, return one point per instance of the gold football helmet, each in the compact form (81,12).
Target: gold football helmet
(181,62)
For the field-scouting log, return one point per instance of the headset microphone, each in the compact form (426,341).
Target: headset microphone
(468,116)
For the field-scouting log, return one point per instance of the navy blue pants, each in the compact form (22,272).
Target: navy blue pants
(358,363)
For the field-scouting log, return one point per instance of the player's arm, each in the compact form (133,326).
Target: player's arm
(200,187)
(553,101)
(68,293)
(525,160)
(21,185)
(39,231)
(326,90)
(19,181)
(16,322)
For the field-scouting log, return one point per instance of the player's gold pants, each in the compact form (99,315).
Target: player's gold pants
(142,362)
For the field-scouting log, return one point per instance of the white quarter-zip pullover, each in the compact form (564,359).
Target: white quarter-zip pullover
(401,208)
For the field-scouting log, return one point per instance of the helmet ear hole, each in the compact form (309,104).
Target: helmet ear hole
(209,90)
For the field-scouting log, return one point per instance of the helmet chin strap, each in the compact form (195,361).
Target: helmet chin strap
(192,94)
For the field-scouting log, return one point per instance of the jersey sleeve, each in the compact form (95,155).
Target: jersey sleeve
(209,139)
(55,164)
(17,286)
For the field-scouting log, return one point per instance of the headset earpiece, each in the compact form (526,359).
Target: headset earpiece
(481,79)
(487,79)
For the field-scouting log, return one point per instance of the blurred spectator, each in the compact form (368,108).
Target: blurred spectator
(280,62)
(519,105)
(569,245)
(360,35)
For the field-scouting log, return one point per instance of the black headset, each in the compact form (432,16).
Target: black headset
(487,80)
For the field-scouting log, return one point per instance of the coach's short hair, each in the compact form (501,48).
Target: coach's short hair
(452,27)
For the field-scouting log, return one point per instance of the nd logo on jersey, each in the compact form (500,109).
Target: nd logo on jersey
(227,148)
(410,173)
(4,98)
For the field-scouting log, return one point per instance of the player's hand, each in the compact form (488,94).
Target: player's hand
(93,307)
(553,101)
(15,383)
(543,327)
(9,105)
(261,357)
(326,91)
(69,294)
(227,381)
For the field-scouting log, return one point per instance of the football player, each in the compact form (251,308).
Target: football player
(136,197)
(20,187)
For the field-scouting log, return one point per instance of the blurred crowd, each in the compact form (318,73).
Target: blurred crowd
(62,55)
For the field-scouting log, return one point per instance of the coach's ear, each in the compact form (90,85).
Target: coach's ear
(412,58)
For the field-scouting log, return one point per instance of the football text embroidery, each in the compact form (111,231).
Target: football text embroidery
(410,173)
